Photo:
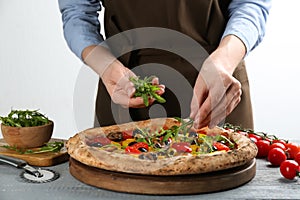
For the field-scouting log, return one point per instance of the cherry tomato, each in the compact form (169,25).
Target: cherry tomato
(268,139)
(263,148)
(253,139)
(243,133)
(279,141)
(276,156)
(277,145)
(292,149)
(182,147)
(252,135)
(221,146)
(297,158)
(289,169)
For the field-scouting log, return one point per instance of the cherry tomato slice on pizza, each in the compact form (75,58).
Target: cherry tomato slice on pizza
(221,147)
(182,147)
(102,140)
(127,135)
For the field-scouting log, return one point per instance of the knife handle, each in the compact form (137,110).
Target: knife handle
(18,163)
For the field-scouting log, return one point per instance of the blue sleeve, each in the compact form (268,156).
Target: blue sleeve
(247,21)
(80,23)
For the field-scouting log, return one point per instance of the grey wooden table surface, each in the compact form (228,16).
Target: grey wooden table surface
(267,184)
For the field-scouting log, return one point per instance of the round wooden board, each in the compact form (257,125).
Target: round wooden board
(163,185)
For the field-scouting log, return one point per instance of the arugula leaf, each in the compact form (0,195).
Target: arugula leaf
(24,118)
(48,147)
(146,90)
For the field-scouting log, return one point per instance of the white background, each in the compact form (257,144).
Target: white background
(38,71)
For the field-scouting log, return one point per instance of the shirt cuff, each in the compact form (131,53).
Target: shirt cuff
(245,30)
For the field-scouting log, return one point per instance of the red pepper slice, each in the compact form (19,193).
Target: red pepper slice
(182,147)
(141,145)
(135,148)
(219,146)
(131,149)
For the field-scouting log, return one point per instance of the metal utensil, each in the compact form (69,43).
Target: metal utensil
(30,174)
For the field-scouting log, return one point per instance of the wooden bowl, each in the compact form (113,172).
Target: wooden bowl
(27,137)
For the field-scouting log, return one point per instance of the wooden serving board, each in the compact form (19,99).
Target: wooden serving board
(163,185)
(41,159)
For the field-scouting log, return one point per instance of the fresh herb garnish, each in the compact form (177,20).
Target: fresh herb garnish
(48,147)
(146,90)
(24,118)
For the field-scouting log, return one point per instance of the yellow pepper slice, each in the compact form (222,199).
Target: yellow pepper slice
(127,141)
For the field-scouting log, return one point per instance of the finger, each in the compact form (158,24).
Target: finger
(200,93)
(223,109)
(204,112)
(122,99)
(130,89)
(161,90)
(197,100)
(138,102)
(126,85)
(200,119)
(221,117)
(218,104)
(155,81)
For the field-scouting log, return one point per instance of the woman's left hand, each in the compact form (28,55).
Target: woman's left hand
(216,94)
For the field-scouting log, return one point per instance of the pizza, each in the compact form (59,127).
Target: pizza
(161,146)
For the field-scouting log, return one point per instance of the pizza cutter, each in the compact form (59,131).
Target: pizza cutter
(30,174)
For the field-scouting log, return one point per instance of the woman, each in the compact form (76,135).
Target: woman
(227,29)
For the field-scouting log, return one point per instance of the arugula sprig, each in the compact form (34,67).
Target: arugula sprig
(48,147)
(146,90)
(24,118)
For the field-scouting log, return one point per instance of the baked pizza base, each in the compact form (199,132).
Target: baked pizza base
(178,165)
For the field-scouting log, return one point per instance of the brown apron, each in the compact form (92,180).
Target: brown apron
(202,20)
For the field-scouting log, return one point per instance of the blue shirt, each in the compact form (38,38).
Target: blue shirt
(82,27)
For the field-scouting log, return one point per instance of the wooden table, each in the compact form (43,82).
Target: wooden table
(267,184)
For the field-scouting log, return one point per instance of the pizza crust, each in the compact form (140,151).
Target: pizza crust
(179,165)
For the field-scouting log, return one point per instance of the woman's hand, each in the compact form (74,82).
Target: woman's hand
(115,77)
(216,91)
(216,94)
(121,89)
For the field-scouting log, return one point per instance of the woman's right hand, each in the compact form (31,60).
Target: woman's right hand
(120,88)
(115,77)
